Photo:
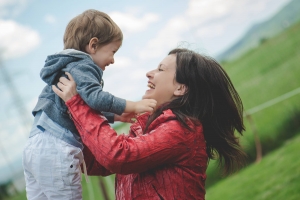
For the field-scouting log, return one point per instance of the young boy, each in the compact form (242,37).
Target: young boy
(53,153)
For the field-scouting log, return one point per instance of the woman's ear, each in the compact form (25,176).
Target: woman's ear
(180,90)
(91,47)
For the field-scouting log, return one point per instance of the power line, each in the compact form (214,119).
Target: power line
(260,107)
(272,102)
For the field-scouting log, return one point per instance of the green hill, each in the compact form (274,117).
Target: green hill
(266,73)
(263,74)
(276,177)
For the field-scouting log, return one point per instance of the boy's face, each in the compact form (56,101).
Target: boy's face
(104,55)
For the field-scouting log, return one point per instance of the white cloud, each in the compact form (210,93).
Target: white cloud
(167,38)
(209,21)
(17,40)
(212,10)
(130,23)
(211,31)
(128,82)
(205,10)
(12,7)
(121,62)
(50,19)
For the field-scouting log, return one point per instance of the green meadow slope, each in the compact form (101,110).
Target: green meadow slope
(263,74)
(276,177)
(266,73)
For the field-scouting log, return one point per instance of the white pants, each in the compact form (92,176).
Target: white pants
(52,168)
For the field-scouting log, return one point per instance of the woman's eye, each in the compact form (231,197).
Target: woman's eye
(159,69)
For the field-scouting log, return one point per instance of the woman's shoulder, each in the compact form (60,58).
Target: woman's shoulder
(168,118)
(168,121)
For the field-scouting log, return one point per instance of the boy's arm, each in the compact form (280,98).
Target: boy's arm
(144,105)
(89,88)
(88,79)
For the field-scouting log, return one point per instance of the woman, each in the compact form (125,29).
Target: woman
(165,154)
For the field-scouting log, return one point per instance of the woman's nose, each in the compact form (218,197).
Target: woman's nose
(149,74)
(112,61)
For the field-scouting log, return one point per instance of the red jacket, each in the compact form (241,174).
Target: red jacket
(168,162)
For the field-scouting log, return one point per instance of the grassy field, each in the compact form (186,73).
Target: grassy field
(261,75)
(93,190)
(276,177)
(90,190)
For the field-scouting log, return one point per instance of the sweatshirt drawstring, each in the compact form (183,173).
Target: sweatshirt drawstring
(85,172)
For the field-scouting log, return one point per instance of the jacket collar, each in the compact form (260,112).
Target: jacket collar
(142,120)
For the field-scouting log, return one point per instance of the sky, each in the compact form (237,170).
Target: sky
(32,29)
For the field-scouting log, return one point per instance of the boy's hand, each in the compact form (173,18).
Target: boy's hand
(145,105)
(125,117)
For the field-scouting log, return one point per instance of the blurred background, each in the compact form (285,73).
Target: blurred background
(256,41)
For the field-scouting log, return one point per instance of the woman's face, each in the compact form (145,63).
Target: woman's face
(162,84)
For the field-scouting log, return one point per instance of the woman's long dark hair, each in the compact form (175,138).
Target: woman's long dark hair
(211,99)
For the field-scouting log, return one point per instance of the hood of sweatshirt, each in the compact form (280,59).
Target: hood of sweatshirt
(54,64)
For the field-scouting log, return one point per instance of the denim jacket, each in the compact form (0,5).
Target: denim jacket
(88,77)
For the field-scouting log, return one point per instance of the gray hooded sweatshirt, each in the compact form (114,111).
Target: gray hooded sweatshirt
(88,78)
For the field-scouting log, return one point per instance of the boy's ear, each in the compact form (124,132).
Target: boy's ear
(180,90)
(91,47)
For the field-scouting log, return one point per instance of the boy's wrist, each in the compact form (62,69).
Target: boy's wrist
(116,118)
(130,107)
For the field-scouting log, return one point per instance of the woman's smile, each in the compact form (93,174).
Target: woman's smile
(151,85)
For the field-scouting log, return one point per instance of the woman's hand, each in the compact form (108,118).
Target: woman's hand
(66,88)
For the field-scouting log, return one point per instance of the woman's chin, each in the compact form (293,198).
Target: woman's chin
(145,96)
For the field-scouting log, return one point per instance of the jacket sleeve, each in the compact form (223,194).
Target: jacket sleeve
(109,116)
(123,154)
(88,84)
(94,168)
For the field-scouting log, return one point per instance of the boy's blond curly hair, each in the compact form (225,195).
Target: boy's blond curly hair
(91,23)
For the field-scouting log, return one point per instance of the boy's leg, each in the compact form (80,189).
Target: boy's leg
(71,158)
(33,190)
(56,167)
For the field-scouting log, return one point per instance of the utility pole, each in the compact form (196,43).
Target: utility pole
(18,104)
(15,97)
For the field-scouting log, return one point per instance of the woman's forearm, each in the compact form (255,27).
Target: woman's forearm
(94,168)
